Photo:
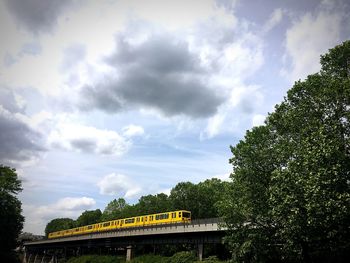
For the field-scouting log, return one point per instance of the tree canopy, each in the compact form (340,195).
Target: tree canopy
(290,192)
(11,220)
(89,217)
(59,224)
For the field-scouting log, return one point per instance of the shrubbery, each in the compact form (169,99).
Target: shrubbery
(96,259)
(180,257)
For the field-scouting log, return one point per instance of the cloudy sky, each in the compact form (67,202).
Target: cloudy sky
(108,99)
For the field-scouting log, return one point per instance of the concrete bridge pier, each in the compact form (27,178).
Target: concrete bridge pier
(24,259)
(200,251)
(53,259)
(129,253)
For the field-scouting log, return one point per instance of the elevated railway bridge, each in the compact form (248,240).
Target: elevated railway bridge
(198,232)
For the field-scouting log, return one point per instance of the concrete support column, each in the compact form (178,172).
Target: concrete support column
(36,256)
(24,260)
(200,251)
(129,253)
(30,256)
(53,259)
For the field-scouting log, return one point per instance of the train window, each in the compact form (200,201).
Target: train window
(186,214)
(173,215)
(129,221)
(138,219)
(180,214)
(89,227)
(162,216)
(151,218)
(106,224)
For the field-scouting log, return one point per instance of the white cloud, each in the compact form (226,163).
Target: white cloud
(38,216)
(71,203)
(133,130)
(80,138)
(274,19)
(213,126)
(118,184)
(223,177)
(258,120)
(308,38)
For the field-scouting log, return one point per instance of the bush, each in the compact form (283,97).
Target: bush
(212,259)
(96,259)
(183,257)
(150,259)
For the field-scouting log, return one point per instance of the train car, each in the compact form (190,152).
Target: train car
(172,217)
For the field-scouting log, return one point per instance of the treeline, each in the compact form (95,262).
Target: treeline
(201,199)
(289,199)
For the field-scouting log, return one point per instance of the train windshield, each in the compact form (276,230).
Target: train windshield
(186,214)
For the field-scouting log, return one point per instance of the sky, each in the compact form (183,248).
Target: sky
(108,99)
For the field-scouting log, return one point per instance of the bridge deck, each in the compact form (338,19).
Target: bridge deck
(196,226)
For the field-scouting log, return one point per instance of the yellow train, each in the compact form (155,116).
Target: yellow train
(137,221)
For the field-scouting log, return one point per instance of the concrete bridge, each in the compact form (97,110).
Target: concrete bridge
(198,232)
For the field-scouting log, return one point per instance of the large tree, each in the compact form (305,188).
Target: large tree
(246,206)
(290,193)
(89,217)
(200,199)
(150,204)
(11,220)
(59,224)
(118,208)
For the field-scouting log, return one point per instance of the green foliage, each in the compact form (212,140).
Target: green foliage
(183,257)
(11,220)
(96,259)
(201,199)
(290,192)
(9,181)
(116,209)
(246,208)
(151,204)
(212,259)
(59,224)
(150,259)
(89,217)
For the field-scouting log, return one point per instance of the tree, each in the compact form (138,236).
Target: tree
(11,220)
(210,193)
(291,176)
(58,224)
(310,194)
(89,217)
(200,198)
(151,204)
(246,206)
(184,196)
(115,209)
